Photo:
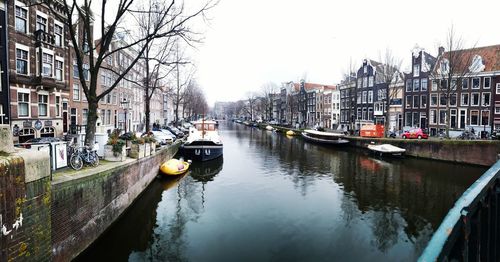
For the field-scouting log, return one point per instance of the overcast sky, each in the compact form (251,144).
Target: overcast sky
(250,43)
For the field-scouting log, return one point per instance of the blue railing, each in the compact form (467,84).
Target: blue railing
(470,230)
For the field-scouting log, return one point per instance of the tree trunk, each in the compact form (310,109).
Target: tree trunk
(447,118)
(90,129)
(147,113)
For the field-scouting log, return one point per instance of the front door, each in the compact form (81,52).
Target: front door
(65,117)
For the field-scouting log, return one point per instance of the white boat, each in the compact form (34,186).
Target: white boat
(203,142)
(269,128)
(387,149)
(324,137)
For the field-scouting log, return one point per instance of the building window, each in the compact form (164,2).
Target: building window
(23,104)
(465,83)
(434,85)
(21,19)
(408,101)
(453,100)
(370,96)
(365,95)
(108,117)
(21,61)
(434,99)
(423,101)
(474,99)
(486,99)
(41,23)
(59,70)
(408,119)
(408,85)
(453,118)
(423,85)
(416,119)
(433,116)
(58,32)
(442,117)
(370,81)
(498,88)
(485,117)
(475,83)
(85,115)
(474,117)
(365,81)
(465,100)
(444,84)
(416,85)
(416,70)
(47,61)
(442,99)
(58,106)
(416,101)
(43,105)
(360,81)
(86,72)
(497,110)
(75,70)
(487,83)
(76,92)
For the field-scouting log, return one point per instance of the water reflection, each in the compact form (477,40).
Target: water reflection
(279,198)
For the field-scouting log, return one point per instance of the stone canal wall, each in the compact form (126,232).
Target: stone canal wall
(44,220)
(83,208)
(478,152)
(25,203)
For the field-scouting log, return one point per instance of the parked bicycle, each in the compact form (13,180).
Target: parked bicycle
(84,155)
(467,135)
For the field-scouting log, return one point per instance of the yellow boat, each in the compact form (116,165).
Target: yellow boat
(290,133)
(174,167)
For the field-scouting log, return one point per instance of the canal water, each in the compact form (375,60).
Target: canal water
(278,198)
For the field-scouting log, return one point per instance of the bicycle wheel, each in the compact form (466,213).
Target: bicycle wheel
(95,159)
(76,162)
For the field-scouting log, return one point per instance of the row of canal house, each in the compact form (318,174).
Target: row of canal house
(423,97)
(470,101)
(40,79)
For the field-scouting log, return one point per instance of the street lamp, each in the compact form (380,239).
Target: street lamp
(125,103)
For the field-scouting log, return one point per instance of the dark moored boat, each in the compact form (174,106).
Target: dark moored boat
(324,137)
(203,142)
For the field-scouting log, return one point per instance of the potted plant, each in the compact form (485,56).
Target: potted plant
(152,144)
(115,149)
(137,148)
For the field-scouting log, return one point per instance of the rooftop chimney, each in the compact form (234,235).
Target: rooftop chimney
(440,50)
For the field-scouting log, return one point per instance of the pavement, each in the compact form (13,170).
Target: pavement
(68,173)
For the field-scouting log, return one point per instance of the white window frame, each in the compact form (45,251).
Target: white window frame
(47,104)
(498,89)
(430,100)
(484,83)
(478,117)
(416,70)
(482,99)
(467,80)
(481,117)
(59,59)
(422,86)
(370,96)
(462,99)
(44,16)
(23,6)
(472,83)
(421,101)
(432,115)
(439,116)
(57,23)
(497,110)
(28,92)
(79,92)
(27,49)
(472,99)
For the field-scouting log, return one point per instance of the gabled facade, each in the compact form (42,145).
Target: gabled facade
(38,71)
(347,90)
(474,102)
(366,87)
(416,92)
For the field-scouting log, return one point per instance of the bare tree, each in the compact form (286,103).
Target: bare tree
(171,19)
(195,102)
(389,75)
(268,91)
(250,105)
(183,77)
(452,67)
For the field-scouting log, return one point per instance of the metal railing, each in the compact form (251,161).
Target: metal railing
(470,230)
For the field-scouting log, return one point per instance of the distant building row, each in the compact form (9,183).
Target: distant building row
(418,98)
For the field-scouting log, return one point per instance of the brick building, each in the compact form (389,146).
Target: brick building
(38,71)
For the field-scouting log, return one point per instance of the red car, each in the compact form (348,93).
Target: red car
(414,133)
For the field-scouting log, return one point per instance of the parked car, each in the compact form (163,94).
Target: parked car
(162,138)
(414,133)
(38,141)
(176,131)
(168,132)
(273,122)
